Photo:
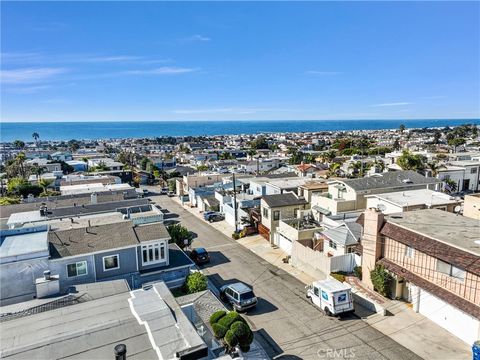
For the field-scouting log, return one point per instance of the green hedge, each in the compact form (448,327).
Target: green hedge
(195,282)
(381,280)
(217,315)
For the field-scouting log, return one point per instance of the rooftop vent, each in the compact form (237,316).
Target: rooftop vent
(407,181)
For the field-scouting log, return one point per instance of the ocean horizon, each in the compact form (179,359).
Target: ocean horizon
(57,131)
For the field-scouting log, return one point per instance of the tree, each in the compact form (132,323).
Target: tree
(437,135)
(45,183)
(35,136)
(409,161)
(401,128)
(21,187)
(19,144)
(396,144)
(334,169)
(259,143)
(434,167)
(9,200)
(328,156)
(195,282)
(232,329)
(178,235)
(450,186)
(456,142)
(202,167)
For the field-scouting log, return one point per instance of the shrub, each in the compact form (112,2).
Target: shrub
(233,329)
(235,236)
(195,282)
(178,235)
(357,270)
(381,280)
(340,276)
(219,331)
(9,200)
(217,315)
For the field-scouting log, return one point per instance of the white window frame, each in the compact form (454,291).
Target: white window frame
(76,264)
(452,271)
(409,252)
(152,246)
(108,256)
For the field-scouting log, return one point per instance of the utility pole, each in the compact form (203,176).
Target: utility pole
(235,202)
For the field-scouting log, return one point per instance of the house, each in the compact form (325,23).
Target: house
(164,163)
(311,187)
(304,228)
(341,240)
(94,318)
(86,253)
(78,165)
(61,156)
(277,207)
(464,174)
(304,170)
(411,200)
(434,258)
(350,194)
(93,187)
(471,206)
(107,162)
(199,180)
(283,185)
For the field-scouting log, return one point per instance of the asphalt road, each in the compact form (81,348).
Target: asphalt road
(284,321)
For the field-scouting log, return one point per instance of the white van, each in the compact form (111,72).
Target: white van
(332,296)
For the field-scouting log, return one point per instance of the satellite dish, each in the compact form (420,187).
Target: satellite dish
(457,209)
(381,207)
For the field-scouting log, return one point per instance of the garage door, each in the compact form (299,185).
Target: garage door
(449,317)
(284,243)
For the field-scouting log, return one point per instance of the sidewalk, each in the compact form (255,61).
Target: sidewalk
(410,329)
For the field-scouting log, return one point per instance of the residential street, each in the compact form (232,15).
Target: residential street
(284,321)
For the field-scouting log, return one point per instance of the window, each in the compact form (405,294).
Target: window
(446,177)
(265,213)
(111,262)
(409,252)
(153,253)
(450,270)
(77,269)
(332,245)
(473,170)
(295,213)
(315,291)
(276,215)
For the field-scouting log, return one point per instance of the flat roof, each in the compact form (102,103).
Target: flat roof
(332,285)
(23,244)
(415,197)
(454,230)
(149,322)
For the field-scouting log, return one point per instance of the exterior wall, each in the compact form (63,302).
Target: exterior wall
(372,244)
(172,277)
(286,212)
(126,259)
(424,266)
(59,267)
(471,206)
(17,280)
(194,181)
(257,189)
(455,175)
(330,251)
(294,234)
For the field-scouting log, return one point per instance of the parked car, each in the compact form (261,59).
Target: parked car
(171,194)
(206,214)
(200,256)
(214,217)
(332,296)
(239,295)
(164,191)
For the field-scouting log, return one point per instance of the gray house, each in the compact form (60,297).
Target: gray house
(121,250)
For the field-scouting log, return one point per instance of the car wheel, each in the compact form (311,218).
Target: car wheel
(223,297)
(327,311)
(211,220)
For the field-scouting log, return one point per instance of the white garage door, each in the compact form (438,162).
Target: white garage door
(284,244)
(449,317)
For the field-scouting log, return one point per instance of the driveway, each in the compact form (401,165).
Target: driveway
(284,321)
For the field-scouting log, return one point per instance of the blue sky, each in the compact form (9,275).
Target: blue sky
(94,61)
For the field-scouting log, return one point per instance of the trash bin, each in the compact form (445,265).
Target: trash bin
(476,350)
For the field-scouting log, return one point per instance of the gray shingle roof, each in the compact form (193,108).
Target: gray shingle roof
(390,180)
(286,199)
(80,241)
(345,235)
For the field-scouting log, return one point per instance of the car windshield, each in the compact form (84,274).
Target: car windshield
(246,296)
(200,251)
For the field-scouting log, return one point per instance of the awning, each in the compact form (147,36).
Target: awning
(321,210)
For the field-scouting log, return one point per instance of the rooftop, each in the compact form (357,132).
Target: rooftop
(17,244)
(454,230)
(286,199)
(416,197)
(86,240)
(394,179)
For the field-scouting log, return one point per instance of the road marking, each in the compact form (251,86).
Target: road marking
(221,246)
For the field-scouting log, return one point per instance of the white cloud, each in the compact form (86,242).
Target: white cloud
(30,75)
(164,70)
(27,89)
(392,104)
(322,73)
(198,37)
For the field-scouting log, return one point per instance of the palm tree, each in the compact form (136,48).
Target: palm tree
(35,136)
(450,186)
(434,167)
(328,156)
(19,144)
(45,183)
(379,164)
(334,169)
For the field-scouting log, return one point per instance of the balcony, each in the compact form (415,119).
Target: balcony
(299,229)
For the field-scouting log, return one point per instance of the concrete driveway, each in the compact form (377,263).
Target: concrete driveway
(284,321)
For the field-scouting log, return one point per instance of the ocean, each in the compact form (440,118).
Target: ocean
(10,131)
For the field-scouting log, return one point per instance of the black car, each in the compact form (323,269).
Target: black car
(199,256)
(215,217)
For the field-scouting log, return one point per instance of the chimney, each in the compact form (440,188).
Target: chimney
(93,198)
(371,242)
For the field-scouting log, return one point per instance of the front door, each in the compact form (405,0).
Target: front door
(466,184)
(316,296)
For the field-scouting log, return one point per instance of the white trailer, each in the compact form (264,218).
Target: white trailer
(332,296)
